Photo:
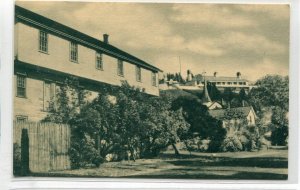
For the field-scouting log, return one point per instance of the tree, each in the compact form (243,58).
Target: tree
(161,126)
(242,94)
(134,126)
(213,92)
(280,126)
(273,92)
(201,123)
(70,97)
(228,95)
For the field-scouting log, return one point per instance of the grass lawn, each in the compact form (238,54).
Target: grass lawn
(267,164)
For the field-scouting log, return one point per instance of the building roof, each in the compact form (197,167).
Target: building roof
(221,113)
(225,79)
(218,78)
(51,26)
(205,97)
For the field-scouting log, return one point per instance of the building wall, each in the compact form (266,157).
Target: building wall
(32,106)
(58,58)
(251,118)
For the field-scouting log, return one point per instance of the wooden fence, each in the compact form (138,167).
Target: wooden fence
(48,145)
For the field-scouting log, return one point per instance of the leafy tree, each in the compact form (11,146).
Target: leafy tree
(161,126)
(280,126)
(273,92)
(228,96)
(240,100)
(201,123)
(135,123)
(243,95)
(70,97)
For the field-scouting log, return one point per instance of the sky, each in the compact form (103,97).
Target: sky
(223,38)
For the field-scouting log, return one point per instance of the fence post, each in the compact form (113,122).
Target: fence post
(24,153)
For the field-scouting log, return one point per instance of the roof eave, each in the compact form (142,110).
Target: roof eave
(24,15)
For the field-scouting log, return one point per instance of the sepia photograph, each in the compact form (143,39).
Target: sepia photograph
(151,90)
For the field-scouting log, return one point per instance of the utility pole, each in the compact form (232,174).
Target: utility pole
(179,65)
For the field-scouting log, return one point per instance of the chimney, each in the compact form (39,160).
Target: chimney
(105,38)
(238,75)
(215,74)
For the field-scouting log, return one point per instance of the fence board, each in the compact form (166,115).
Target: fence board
(48,145)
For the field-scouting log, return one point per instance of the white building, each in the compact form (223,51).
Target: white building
(46,52)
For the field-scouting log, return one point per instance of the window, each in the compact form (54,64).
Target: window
(240,83)
(153,79)
(21,118)
(43,42)
(120,68)
(21,86)
(138,73)
(250,120)
(74,52)
(49,95)
(99,63)
(235,83)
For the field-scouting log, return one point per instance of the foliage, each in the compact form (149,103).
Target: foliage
(201,123)
(133,125)
(279,136)
(161,126)
(233,114)
(176,77)
(232,144)
(273,92)
(83,152)
(280,126)
(228,95)
(243,137)
(213,92)
(70,97)
(17,159)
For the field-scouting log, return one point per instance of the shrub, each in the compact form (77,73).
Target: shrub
(83,152)
(232,144)
(16,159)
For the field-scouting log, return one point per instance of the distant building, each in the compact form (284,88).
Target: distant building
(207,101)
(233,116)
(221,82)
(47,52)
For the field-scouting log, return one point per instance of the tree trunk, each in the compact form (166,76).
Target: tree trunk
(175,149)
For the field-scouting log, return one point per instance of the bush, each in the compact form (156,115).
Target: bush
(83,153)
(232,144)
(16,159)
(279,136)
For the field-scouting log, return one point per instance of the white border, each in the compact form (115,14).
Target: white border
(6,70)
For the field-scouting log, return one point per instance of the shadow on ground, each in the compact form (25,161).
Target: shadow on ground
(208,167)
(268,165)
(236,176)
(266,162)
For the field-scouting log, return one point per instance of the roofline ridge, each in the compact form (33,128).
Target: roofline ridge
(130,58)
